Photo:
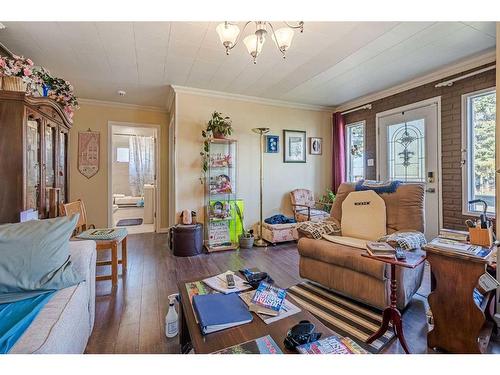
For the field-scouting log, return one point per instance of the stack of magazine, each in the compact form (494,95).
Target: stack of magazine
(332,345)
(380,249)
(460,247)
(269,303)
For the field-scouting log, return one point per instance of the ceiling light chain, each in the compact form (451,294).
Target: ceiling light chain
(229,34)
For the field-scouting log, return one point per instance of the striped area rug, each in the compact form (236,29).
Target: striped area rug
(342,315)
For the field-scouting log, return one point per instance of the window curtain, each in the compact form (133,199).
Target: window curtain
(338,151)
(141,163)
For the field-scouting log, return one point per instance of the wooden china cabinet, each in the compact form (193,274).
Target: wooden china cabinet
(34,164)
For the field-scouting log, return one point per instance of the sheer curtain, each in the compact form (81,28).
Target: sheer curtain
(141,163)
(338,151)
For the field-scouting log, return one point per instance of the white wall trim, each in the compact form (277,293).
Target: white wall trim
(157,128)
(448,71)
(251,99)
(104,103)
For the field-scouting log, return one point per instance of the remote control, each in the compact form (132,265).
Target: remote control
(400,254)
(230,281)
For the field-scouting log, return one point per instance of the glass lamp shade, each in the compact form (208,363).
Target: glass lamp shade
(283,38)
(227,33)
(254,47)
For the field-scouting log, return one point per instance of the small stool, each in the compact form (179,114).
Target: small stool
(186,240)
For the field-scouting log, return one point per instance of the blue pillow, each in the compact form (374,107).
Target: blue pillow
(34,258)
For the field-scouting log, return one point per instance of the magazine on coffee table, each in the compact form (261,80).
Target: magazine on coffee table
(287,308)
(262,345)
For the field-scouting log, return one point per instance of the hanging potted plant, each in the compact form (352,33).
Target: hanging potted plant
(219,126)
(17,73)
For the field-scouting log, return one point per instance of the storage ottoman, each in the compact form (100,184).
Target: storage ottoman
(186,240)
(275,233)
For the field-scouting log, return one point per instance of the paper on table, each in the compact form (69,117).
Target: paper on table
(287,308)
(219,283)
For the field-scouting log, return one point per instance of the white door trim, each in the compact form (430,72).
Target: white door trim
(423,103)
(157,128)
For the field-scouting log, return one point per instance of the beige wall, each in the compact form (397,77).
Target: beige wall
(280,178)
(94,191)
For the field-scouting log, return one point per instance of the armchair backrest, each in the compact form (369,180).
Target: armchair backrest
(303,197)
(404,207)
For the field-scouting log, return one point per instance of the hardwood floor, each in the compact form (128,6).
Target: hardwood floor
(131,319)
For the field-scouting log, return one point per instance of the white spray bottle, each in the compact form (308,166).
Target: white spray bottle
(171,320)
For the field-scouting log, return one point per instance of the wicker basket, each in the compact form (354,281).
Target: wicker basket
(14,84)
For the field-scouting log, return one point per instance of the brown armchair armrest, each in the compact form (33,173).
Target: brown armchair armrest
(303,205)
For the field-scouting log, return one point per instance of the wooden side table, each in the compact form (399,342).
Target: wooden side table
(391,313)
(458,320)
(113,246)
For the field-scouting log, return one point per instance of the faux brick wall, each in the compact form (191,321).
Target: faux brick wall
(451,134)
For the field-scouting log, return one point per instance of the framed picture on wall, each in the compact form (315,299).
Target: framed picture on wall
(272,144)
(294,150)
(315,146)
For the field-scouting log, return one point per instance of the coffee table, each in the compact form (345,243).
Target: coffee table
(190,335)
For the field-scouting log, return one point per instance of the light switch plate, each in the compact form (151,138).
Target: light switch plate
(370,162)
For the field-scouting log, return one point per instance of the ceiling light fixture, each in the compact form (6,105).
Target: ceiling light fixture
(2,26)
(229,33)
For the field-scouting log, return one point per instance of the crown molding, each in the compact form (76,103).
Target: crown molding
(437,75)
(104,103)
(250,99)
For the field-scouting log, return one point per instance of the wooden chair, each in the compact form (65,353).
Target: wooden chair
(69,209)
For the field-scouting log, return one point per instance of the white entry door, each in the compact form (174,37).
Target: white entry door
(407,145)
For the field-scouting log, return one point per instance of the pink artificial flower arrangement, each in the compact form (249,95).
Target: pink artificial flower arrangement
(17,66)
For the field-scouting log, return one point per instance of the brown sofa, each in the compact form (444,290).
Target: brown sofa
(343,269)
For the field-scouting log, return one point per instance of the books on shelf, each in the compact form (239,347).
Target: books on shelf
(287,308)
(269,297)
(219,283)
(219,311)
(262,345)
(460,247)
(380,249)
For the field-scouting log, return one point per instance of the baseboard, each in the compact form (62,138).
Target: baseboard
(162,230)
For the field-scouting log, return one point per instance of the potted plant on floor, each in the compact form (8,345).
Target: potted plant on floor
(326,201)
(246,238)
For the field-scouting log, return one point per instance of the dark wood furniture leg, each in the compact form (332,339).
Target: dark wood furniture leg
(184,338)
(392,314)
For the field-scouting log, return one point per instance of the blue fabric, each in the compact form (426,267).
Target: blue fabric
(279,219)
(16,317)
(377,187)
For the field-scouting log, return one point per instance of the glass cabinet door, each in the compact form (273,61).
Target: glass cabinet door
(50,175)
(61,175)
(33,164)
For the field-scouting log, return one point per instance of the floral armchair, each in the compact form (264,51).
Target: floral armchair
(305,207)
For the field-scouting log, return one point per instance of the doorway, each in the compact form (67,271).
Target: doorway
(408,149)
(133,177)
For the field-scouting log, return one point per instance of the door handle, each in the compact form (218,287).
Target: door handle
(430,190)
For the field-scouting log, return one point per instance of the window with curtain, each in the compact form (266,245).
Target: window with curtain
(355,151)
(479,109)
(141,163)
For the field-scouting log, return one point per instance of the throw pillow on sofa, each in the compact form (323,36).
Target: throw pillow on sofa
(34,258)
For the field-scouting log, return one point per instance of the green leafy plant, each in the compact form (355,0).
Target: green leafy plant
(327,200)
(244,233)
(218,126)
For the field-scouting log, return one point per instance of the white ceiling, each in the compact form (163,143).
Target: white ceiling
(329,64)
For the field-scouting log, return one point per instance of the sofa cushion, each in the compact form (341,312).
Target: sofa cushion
(341,255)
(404,208)
(363,216)
(34,258)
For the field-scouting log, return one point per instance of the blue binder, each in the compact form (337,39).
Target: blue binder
(220,311)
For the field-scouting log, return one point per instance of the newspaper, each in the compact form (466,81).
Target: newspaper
(219,283)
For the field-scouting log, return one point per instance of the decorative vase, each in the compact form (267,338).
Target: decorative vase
(246,242)
(46,89)
(14,84)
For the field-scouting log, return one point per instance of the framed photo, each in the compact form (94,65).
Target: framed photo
(272,144)
(315,146)
(294,150)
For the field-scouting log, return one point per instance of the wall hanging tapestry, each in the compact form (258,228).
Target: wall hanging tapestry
(88,152)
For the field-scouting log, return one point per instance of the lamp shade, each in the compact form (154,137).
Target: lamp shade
(227,33)
(254,45)
(283,38)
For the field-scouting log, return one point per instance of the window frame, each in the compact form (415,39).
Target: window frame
(346,148)
(466,150)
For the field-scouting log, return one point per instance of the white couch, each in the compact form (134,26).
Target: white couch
(65,323)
